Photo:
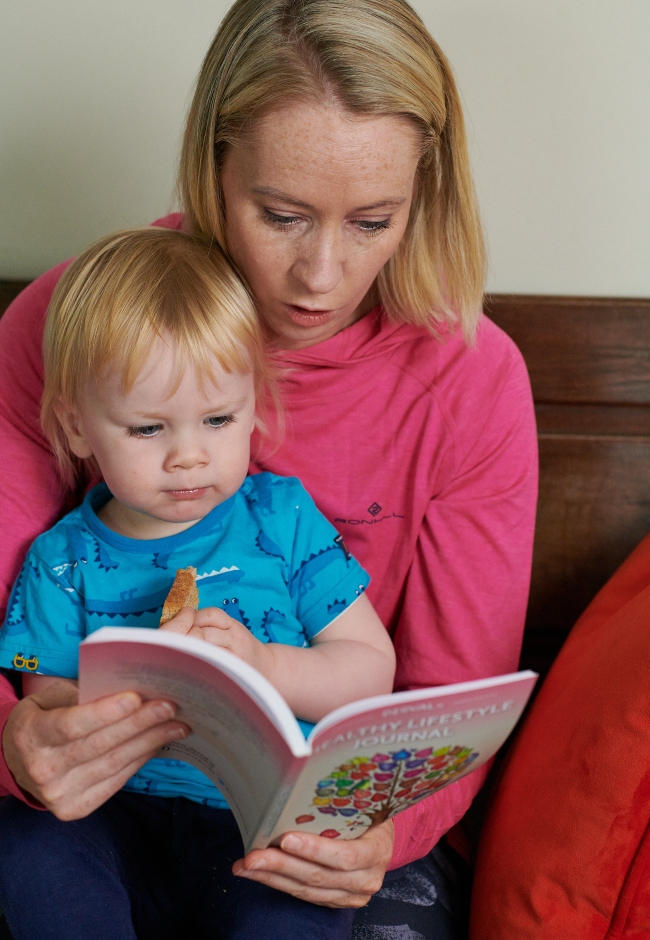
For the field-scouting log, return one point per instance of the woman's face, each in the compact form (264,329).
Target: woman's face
(316,202)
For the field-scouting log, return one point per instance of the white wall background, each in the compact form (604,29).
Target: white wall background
(557,94)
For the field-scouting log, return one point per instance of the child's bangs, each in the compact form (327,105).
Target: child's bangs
(199,340)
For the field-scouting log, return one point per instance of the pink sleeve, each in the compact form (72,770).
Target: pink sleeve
(31,495)
(7,701)
(8,785)
(465,599)
(419,828)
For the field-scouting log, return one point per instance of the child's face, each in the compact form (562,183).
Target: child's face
(173,457)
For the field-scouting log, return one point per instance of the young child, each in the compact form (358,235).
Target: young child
(153,358)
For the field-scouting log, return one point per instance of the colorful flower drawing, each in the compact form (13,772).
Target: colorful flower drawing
(377,787)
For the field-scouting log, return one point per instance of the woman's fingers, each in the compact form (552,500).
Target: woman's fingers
(335,874)
(309,881)
(89,797)
(373,847)
(150,724)
(326,897)
(52,718)
(65,722)
(85,786)
(57,750)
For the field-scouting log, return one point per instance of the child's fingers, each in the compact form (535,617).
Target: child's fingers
(181,623)
(214,617)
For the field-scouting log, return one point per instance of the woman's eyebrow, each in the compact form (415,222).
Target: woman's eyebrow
(394,202)
(278,194)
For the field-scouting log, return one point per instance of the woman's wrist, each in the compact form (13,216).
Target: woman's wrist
(8,783)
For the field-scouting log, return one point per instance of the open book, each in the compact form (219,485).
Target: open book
(361,764)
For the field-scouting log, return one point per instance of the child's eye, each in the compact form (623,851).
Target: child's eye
(147,430)
(219,421)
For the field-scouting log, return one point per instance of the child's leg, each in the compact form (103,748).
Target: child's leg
(84,879)
(219,905)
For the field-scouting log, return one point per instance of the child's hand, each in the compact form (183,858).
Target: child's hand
(216,627)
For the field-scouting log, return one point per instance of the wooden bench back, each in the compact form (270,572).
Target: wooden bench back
(589,363)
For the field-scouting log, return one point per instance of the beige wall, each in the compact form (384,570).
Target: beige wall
(93,93)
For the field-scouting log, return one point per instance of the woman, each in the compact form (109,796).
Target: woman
(325,151)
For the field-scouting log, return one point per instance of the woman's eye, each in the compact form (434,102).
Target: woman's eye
(147,430)
(367,225)
(282,221)
(219,421)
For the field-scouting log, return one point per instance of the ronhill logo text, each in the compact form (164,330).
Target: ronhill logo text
(374,509)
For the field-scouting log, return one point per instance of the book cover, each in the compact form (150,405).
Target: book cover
(362,763)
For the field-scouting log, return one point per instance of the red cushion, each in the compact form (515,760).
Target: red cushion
(565,852)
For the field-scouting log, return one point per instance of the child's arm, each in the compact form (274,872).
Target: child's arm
(350,659)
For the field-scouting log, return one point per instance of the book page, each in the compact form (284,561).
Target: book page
(234,742)
(368,766)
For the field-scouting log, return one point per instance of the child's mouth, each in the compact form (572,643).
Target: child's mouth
(187,494)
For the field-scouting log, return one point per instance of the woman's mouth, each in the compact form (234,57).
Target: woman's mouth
(303,316)
(196,493)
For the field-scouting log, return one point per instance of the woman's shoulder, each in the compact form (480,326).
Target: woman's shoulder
(173,220)
(480,390)
(26,314)
(448,365)
(27,311)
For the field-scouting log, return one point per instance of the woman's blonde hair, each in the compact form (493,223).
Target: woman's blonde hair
(372,57)
(127,290)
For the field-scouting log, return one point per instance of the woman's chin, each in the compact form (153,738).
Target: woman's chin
(296,328)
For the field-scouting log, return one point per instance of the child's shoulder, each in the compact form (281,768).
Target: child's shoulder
(268,488)
(277,504)
(64,541)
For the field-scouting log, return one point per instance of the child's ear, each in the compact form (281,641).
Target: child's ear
(70,420)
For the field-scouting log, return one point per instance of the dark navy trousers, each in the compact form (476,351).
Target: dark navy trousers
(142,868)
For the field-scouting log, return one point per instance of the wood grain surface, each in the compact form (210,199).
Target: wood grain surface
(589,363)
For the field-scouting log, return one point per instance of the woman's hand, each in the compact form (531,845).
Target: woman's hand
(324,871)
(72,757)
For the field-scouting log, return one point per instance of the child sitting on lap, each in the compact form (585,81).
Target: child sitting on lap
(153,358)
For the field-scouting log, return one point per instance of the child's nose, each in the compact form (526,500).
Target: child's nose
(186,454)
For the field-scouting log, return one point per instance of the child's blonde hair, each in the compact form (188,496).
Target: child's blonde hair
(372,57)
(128,289)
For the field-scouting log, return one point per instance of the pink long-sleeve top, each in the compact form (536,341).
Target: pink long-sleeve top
(420,450)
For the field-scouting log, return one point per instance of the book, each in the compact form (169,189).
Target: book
(360,765)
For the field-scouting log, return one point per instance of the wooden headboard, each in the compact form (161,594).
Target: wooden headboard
(589,363)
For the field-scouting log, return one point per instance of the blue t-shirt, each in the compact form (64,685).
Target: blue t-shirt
(266,556)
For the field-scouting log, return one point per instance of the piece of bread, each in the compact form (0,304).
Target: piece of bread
(183,593)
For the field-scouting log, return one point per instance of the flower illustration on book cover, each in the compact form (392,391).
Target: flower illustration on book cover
(370,789)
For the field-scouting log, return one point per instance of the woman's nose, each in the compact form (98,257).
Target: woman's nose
(319,266)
